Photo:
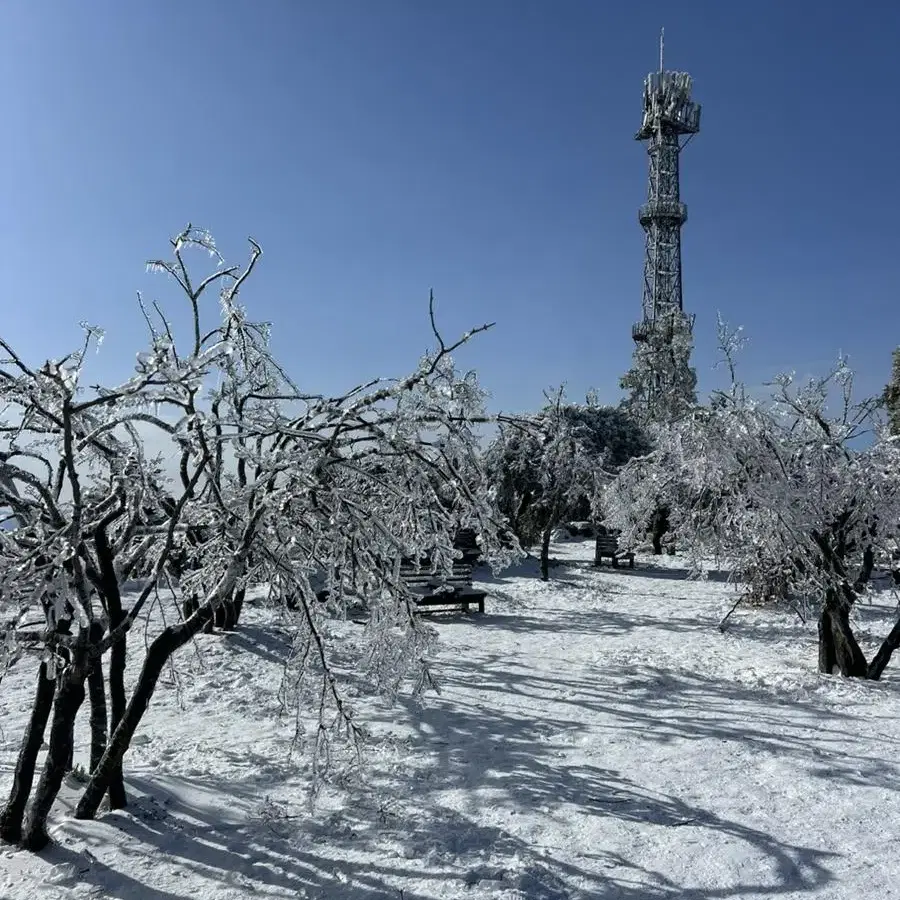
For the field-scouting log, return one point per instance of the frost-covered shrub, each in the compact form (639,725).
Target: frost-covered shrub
(785,490)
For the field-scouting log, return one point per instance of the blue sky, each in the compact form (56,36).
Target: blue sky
(483,148)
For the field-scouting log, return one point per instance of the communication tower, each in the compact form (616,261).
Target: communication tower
(670,119)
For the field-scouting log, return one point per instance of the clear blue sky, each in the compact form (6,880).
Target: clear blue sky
(378,148)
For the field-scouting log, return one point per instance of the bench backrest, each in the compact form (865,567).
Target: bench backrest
(461,574)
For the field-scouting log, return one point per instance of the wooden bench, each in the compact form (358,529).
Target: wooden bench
(608,546)
(432,589)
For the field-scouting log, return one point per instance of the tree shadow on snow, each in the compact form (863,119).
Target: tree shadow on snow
(232,852)
(658,705)
(644,569)
(518,758)
(604,622)
(516,762)
(269,642)
(85,868)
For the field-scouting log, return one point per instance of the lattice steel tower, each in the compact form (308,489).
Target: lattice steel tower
(671,118)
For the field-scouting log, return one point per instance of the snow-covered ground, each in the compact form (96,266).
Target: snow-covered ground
(596,737)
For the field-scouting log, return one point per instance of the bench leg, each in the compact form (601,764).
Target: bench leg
(615,562)
(481,605)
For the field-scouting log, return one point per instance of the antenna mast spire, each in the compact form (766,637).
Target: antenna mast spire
(662,42)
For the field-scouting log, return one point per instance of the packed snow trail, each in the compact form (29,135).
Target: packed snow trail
(595,737)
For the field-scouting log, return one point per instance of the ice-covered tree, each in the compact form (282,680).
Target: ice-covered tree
(548,467)
(782,490)
(78,481)
(273,485)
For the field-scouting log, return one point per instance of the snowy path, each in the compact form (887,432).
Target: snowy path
(596,737)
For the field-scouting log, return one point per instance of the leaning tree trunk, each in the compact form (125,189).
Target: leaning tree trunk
(161,649)
(66,655)
(838,647)
(23,777)
(69,697)
(883,656)
(857,667)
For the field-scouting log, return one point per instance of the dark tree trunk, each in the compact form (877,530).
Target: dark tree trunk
(190,605)
(117,658)
(518,515)
(545,553)
(118,799)
(865,573)
(229,613)
(23,777)
(659,526)
(837,645)
(827,655)
(69,697)
(97,694)
(65,655)
(160,650)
